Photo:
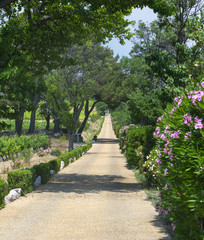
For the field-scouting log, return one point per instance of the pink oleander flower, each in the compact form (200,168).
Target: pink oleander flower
(166,171)
(173,226)
(167,143)
(198,126)
(172,164)
(166,212)
(166,150)
(159,161)
(187,119)
(173,109)
(175,135)
(170,151)
(163,137)
(157,129)
(186,138)
(172,157)
(159,194)
(166,187)
(202,84)
(160,118)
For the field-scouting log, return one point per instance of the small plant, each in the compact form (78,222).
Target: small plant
(43,152)
(56,152)
(18,164)
(62,139)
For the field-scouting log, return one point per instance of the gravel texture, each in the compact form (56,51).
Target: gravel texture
(94,198)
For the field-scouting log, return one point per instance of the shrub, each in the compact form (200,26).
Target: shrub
(136,142)
(56,152)
(23,179)
(150,168)
(3,192)
(54,165)
(43,170)
(40,141)
(180,138)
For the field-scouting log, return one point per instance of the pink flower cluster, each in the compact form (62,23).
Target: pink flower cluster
(124,129)
(198,123)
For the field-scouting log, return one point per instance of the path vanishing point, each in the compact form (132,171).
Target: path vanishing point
(94,198)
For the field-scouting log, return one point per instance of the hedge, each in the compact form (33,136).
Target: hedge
(43,170)
(3,192)
(25,178)
(22,178)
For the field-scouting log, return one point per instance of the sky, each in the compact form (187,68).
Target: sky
(146,15)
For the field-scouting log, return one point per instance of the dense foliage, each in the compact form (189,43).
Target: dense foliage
(10,147)
(180,139)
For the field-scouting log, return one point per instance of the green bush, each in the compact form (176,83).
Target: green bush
(43,170)
(3,192)
(180,139)
(40,141)
(55,165)
(11,146)
(22,178)
(65,158)
(136,142)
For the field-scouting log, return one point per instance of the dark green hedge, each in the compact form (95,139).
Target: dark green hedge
(138,136)
(3,192)
(43,170)
(22,178)
(25,178)
(55,165)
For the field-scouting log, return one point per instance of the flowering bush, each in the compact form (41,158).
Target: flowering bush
(180,138)
(18,163)
(43,152)
(150,168)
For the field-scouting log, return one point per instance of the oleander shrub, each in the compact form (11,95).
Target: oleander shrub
(3,192)
(22,178)
(180,139)
(43,170)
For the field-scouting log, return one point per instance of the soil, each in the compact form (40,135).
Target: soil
(94,198)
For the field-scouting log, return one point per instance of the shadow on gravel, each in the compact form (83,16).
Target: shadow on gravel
(80,184)
(157,222)
(106,141)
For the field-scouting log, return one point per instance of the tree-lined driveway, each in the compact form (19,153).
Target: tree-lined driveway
(94,198)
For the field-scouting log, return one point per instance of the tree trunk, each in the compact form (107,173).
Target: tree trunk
(33,114)
(71,141)
(76,114)
(87,114)
(19,121)
(32,123)
(56,125)
(48,122)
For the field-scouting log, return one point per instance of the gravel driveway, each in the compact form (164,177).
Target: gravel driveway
(94,198)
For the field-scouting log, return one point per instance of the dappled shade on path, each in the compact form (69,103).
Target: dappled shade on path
(82,183)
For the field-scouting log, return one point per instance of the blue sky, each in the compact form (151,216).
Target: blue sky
(146,15)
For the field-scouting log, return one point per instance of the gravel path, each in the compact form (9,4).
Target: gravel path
(94,198)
